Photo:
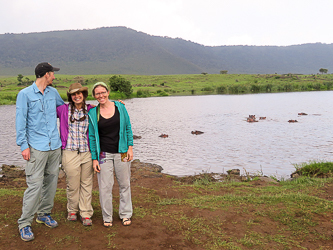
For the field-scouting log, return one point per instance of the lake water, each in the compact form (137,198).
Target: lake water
(269,146)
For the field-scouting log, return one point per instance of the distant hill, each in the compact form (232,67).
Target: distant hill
(120,50)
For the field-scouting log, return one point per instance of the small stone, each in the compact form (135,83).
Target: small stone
(294,175)
(234,172)
(244,178)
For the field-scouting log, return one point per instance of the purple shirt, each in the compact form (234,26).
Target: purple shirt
(62,114)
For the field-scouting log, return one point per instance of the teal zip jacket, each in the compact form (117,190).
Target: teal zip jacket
(125,131)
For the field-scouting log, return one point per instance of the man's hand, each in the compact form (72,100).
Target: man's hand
(26,154)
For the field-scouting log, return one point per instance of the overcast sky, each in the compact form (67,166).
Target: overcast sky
(210,22)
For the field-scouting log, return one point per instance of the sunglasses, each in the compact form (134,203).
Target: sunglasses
(76,93)
(72,119)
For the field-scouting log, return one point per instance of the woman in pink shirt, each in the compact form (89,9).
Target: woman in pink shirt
(76,156)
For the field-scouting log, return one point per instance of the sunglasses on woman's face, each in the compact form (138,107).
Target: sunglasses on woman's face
(76,93)
(73,119)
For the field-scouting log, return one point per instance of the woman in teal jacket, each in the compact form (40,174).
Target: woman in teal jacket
(111,146)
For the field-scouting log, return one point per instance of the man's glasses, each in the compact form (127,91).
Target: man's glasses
(73,119)
(101,93)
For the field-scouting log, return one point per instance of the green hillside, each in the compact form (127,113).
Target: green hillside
(120,50)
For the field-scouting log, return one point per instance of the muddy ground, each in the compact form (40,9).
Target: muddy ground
(146,232)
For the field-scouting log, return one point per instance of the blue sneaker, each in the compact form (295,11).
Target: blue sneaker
(26,234)
(47,220)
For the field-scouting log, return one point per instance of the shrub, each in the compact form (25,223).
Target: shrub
(120,84)
(317,86)
(207,89)
(237,88)
(288,87)
(139,93)
(328,85)
(296,87)
(221,89)
(280,88)
(143,93)
(255,88)
(268,87)
(9,97)
(163,94)
(310,86)
(303,87)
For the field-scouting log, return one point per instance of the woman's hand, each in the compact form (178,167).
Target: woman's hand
(130,153)
(96,166)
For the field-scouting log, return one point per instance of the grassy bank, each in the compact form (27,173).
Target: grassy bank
(165,85)
(171,213)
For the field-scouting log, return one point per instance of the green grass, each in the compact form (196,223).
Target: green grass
(315,168)
(195,84)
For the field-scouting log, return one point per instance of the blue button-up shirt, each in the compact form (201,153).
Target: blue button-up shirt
(36,118)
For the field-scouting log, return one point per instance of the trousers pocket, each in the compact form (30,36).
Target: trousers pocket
(31,167)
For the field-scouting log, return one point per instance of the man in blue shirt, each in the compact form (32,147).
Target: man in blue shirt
(37,135)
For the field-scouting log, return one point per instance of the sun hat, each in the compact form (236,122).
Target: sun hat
(99,84)
(76,87)
(44,67)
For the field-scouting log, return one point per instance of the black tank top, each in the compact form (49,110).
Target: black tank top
(109,132)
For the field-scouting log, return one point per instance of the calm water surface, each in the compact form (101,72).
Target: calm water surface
(271,146)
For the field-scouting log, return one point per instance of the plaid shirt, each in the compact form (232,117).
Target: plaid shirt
(77,131)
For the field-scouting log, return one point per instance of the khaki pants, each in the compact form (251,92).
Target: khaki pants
(79,177)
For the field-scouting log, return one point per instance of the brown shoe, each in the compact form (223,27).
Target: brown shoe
(71,217)
(86,221)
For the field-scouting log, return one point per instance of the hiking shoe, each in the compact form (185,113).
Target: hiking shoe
(47,220)
(86,221)
(72,216)
(26,234)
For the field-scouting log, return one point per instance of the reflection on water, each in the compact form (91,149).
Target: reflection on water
(271,146)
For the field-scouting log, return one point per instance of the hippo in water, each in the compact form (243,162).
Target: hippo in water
(163,136)
(196,132)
